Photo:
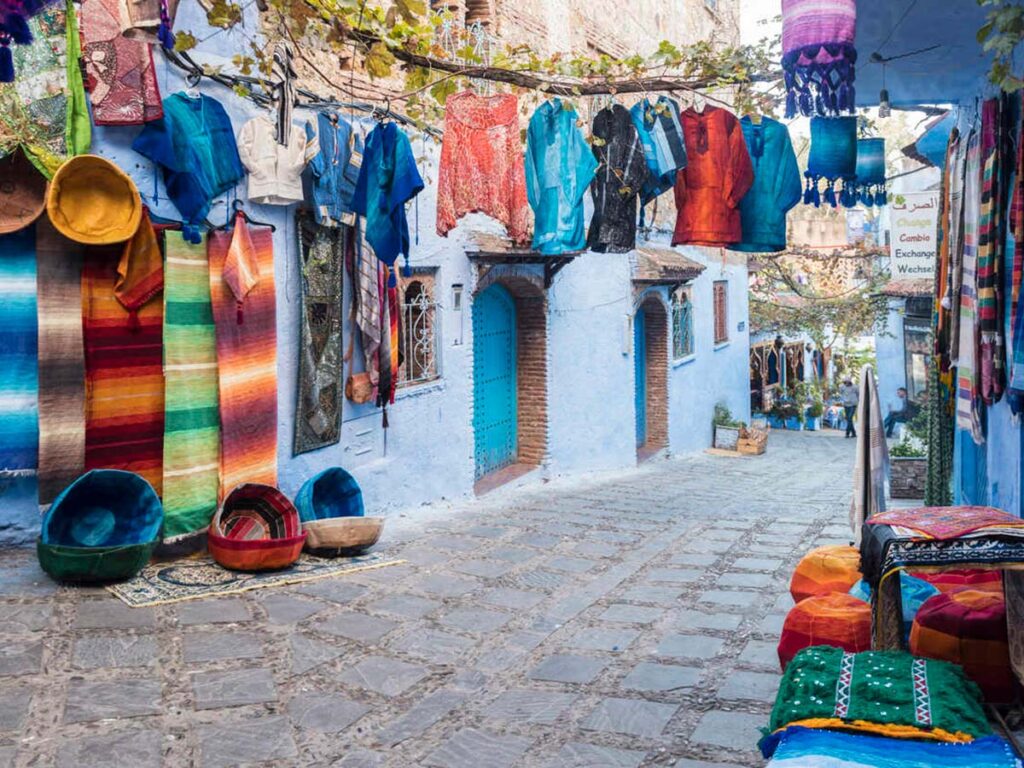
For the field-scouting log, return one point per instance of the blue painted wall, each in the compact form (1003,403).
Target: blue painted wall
(426,455)
(890,353)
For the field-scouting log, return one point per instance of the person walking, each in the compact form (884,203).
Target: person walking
(849,396)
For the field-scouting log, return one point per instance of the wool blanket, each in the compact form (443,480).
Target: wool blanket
(968,416)
(19,428)
(957,180)
(871,466)
(990,257)
(245,318)
(318,404)
(192,424)
(61,361)
(124,405)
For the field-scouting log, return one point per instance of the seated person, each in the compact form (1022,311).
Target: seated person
(906,412)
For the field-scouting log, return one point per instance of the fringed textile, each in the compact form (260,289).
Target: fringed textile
(364,270)
(19,427)
(319,400)
(968,415)
(990,256)
(15,30)
(245,317)
(61,361)
(870,186)
(871,465)
(192,427)
(818,56)
(833,159)
(124,405)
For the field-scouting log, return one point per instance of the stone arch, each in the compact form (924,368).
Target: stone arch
(655,367)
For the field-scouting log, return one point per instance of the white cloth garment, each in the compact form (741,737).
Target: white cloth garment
(275,170)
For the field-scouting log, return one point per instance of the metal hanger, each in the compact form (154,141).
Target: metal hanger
(192,83)
(238,209)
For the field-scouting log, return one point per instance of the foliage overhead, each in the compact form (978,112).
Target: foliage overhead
(1000,35)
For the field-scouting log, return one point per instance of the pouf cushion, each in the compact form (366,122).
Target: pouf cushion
(825,570)
(839,620)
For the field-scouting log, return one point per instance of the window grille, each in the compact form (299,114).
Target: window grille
(682,324)
(721,298)
(419,334)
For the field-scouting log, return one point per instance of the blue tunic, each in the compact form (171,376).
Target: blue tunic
(559,168)
(333,157)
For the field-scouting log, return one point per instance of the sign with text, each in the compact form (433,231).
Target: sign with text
(914,217)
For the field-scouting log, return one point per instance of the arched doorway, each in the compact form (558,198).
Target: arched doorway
(495,395)
(650,365)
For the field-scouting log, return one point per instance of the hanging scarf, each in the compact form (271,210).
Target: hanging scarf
(122,322)
(870,184)
(1015,385)
(61,361)
(871,467)
(319,401)
(990,247)
(955,278)
(245,318)
(19,430)
(192,428)
(940,307)
(364,269)
(833,158)
(968,416)
(818,56)
(285,75)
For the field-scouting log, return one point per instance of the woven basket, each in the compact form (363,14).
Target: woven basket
(342,536)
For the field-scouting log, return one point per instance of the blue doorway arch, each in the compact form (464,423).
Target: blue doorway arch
(640,375)
(495,397)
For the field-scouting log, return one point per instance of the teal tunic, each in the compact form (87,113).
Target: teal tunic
(559,168)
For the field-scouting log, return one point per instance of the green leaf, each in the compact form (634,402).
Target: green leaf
(442,90)
(379,60)
(411,10)
(223,14)
(184,41)
(984,32)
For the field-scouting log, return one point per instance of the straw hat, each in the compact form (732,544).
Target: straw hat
(94,202)
(22,192)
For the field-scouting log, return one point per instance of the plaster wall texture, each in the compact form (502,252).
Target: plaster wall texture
(426,455)
(890,353)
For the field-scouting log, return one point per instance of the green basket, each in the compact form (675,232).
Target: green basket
(93,564)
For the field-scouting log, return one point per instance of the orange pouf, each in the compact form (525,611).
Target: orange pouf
(968,627)
(825,570)
(839,620)
(964,578)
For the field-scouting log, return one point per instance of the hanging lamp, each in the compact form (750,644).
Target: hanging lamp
(870,184)
(818,56)
(833,158)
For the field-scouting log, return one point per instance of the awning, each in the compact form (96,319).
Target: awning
(491,249)
(664,266)
(910,288)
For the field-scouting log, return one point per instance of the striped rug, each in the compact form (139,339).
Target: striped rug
(124,406)
(19,435)
(192,424)
(244,313)
(61,361)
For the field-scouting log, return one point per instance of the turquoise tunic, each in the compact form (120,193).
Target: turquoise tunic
(559,168)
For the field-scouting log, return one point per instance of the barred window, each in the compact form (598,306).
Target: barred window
(682,324)
(419,331)
(721,298)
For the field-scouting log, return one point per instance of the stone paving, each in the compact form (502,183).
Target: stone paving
(629,620)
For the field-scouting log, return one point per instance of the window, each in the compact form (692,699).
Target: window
(721,299)
(418,331)
(682,324)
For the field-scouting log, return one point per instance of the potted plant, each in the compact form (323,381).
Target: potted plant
(727,429)
(815,410)
(788,414)
(908,460)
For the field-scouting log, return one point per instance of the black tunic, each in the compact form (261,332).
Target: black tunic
(620,176)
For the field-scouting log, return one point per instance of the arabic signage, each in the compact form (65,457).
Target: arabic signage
(914,217)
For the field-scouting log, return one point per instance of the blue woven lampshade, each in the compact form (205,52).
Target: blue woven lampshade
(833,159)
(871,172)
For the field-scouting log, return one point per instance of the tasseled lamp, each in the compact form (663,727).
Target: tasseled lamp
(870,187)
(818,56)
(833,158)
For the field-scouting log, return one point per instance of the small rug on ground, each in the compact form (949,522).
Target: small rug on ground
(198,577)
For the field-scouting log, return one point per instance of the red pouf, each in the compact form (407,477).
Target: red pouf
(839,620)
(825,570)
(964,578)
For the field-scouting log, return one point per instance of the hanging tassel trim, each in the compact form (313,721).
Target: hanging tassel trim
(819,80)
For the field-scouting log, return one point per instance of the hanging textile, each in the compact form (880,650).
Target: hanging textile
(718,174)
(122,322)
(661,132)
(44,110)
(871,465)
(776,188)
(319,400)
(1015,385)
(559,168)
(245,318)
(275,169)
(364,269)
(991,349)
(19,428)
(818,56)
(968,416)
(15,30)
(284,73)
(192,427)
(334,155)
(622,172)
(870,183)
(194,145)
(389,342)
(957,181)
(482,164)
(833,158)
(388,179)
(148,21)
(61,361)
(122,80)
(940,308)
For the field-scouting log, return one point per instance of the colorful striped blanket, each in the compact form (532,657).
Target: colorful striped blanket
(967,415)
(19,429)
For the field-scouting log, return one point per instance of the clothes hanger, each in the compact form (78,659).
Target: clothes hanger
(237,208)
(192,80)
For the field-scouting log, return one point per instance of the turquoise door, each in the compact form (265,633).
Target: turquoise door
(640,375)
(494,380)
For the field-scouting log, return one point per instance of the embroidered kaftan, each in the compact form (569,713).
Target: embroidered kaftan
(621,175)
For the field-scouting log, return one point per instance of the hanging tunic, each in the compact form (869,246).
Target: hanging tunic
(776,189)
(482,166)
(275,169)
(621,173)
(388,180)
(334,154)
(661,133)
(717,176)
(559,168)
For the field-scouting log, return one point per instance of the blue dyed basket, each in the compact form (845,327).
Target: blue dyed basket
(331,509)
(102,527)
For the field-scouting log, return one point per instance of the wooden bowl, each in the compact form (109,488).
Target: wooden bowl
(342,536)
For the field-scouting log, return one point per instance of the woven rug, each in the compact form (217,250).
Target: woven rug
(318,405)
(124,410)
(244,314)
(192,423)
(61,361)
(199,577)
(18,425)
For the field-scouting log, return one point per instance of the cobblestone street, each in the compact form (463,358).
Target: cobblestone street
(629,620)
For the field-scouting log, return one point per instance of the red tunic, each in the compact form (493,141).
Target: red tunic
(718,173)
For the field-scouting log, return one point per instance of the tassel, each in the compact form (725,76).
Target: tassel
(869,200)
(165,36)
(790,104)
(392,282)
(816,195)
(133,321)
(6,64)
(17,29)
(384,421)
(805,103)
(882,197)
(807,192)
(830,194)
(239,315)
(406,270)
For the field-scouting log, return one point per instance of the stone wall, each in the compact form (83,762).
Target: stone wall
(907,477)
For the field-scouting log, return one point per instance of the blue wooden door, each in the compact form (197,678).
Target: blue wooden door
(494,380)
(640,376)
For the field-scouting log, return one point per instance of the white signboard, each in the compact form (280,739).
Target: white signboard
(914,217)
